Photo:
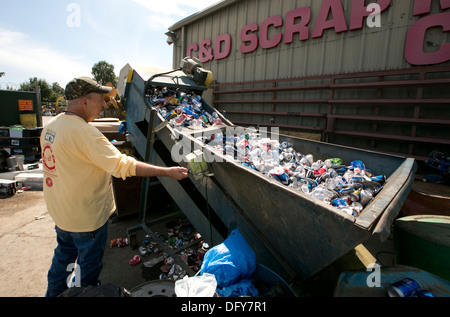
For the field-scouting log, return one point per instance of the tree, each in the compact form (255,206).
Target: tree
(49,93)
(57,91)
(46,90)
(103,73)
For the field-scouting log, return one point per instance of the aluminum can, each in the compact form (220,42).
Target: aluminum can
(339,203)
(144,251)
(357,207)
(365,196)
(135,260)
(345,191)
(351,211)
(319,172)
(406,287)
(310,158)
(282,178)
(355,195)
(305,162)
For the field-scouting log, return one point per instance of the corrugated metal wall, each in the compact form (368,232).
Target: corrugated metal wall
(366,49)
(315,61)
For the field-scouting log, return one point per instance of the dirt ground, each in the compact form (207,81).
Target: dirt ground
(28,239)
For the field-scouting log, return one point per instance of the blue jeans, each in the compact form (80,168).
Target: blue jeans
(84,248)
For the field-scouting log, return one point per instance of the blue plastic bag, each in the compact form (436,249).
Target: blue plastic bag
(241,288)
(230,261)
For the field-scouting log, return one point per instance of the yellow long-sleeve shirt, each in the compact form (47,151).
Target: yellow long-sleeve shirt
(78,163)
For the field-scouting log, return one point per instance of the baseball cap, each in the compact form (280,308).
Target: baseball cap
(82,86)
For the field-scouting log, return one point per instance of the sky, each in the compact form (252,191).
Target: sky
(58,40)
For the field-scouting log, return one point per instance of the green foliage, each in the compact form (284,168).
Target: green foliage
(48,92)
(103,73)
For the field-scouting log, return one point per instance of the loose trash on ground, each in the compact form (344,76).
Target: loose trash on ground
(119,242)
(228,269)
(151,252)
(135,260)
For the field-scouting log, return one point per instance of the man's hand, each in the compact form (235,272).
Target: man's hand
(149,170)
(177,172)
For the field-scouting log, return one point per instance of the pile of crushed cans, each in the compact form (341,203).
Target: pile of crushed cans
(349,188)
(177,236)
(185,108)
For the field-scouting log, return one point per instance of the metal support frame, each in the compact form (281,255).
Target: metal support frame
(148,156)
(143,225)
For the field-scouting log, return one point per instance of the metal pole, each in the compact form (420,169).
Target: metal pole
(148,157)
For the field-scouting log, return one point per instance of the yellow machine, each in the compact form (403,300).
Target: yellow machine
(191,67)
(113,107)
(59,109)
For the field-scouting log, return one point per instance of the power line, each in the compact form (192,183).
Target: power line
(9,85)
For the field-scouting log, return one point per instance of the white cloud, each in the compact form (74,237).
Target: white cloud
(166,7)
(176,8)
(18,54)
(9,37)
(157,22)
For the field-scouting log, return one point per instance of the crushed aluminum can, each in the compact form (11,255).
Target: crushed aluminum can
(349,210)
(147,240)
(365,196)
(169,260)
(406,287)
(355,195)
(341,202)
(143,251)
(178,243)
(345,191)
(135,260)
(305,162)
(357,207)
(181,119)
(119,242)
(320,171)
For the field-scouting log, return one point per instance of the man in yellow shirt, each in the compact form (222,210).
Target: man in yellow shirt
(78,163)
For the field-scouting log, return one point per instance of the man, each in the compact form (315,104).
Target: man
(78,163)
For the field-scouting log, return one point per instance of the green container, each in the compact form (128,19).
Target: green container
(423,241)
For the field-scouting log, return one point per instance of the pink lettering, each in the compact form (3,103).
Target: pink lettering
(338,21)
(415,39)
(301,28)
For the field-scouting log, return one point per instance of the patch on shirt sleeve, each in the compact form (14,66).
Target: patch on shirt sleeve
(49,137)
